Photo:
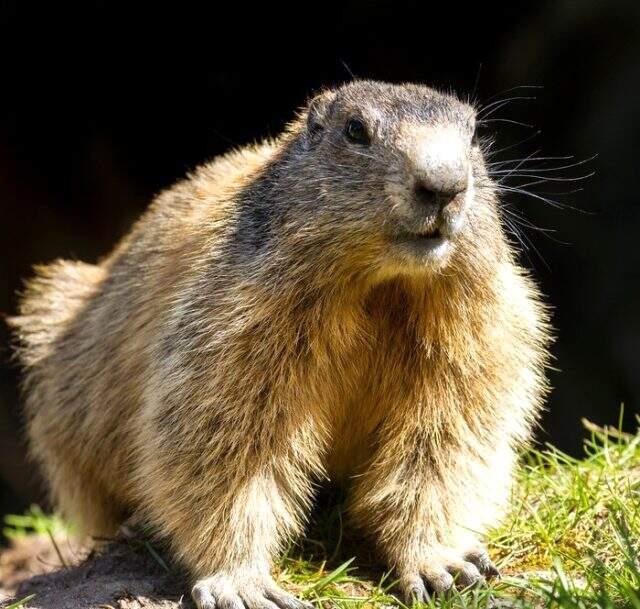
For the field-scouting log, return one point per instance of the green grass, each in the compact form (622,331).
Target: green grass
(21,603)
(33,521)
(571,541)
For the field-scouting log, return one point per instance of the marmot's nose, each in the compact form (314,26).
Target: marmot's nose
(428,196)
(441,168)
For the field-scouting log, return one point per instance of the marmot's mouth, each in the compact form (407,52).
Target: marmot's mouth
(424,243)
(426,235)
(433,234)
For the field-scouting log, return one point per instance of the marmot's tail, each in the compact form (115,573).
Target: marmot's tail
(50,300)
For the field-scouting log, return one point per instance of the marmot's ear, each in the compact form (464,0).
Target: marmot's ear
(318,111)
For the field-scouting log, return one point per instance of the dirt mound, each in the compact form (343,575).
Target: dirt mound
(120,576)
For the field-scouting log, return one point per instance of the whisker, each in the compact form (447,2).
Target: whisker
(524,239)
(524,222)
(557,193)
(533,183)
(506,120)
(558,168)
(519,165)
(549,233)
(539,197)
(531,158)
(526,139)
(476,83)
(513,229)
(500,103)
(526,175)
(542,179)
(515,89)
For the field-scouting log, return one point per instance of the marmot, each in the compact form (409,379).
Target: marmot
(341,302)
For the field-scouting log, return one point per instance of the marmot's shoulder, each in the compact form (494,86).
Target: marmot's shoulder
(198,205)
(224,174)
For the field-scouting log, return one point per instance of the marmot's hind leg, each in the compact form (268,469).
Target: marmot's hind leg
(84,503)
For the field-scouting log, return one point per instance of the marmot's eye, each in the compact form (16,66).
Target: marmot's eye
(356,131)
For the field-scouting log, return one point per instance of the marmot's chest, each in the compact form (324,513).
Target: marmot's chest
(381,381)
(357,423)
(352,441)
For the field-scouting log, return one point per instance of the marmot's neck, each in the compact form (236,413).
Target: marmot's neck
(446,315)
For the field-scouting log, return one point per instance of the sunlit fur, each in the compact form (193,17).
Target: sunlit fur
(254,334)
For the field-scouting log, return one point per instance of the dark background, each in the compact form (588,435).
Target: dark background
(101,107)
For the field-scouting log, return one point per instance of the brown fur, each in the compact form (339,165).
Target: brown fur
(253,334)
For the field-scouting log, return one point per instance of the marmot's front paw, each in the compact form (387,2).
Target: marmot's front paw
(441,568)
(242,590)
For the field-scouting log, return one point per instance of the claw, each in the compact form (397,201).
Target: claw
(439,582)
(441,569)
(415,591)
(481,560)
(229,602)
(466,574)
(242,591)
(285,600)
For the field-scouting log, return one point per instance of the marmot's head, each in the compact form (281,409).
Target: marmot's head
(391,177)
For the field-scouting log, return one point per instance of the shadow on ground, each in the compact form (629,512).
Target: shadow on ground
(123,575)
(130,573)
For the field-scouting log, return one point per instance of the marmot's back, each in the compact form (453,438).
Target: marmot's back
(58,291)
